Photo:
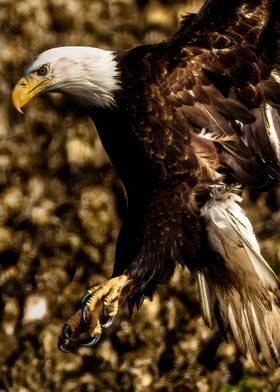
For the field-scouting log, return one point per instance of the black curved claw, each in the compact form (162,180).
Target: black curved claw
(90,341)
(84,314)
(63,348)
(84,299)
(67,332)
(108,322)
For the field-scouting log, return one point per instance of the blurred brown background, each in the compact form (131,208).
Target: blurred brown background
(61,205)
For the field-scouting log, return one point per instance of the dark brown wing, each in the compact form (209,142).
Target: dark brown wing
(209,98)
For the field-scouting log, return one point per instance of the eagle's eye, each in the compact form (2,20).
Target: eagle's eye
(42,71)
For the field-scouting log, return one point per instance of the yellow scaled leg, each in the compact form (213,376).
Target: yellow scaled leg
(99,307)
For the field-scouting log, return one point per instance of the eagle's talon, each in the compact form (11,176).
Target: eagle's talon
(85,314)
(67,332)
(92,341)
(84,299)
(62,347)
(108,322)
(99,307)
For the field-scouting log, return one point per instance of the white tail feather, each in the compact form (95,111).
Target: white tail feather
(205,299)
(241,285)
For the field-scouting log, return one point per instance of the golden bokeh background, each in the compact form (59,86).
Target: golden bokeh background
(61,206)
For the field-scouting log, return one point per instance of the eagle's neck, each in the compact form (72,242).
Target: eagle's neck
(95,79)
(89,75)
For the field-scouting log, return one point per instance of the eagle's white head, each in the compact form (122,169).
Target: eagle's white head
(89,75)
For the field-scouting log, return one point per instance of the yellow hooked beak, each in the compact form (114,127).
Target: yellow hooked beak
(26,89)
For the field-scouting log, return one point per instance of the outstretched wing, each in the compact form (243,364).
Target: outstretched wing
(213,94)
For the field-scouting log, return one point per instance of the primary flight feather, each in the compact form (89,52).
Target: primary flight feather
(187,123)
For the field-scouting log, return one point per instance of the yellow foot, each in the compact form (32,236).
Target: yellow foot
(98,309)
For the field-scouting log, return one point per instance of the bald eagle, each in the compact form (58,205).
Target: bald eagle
(187,123)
